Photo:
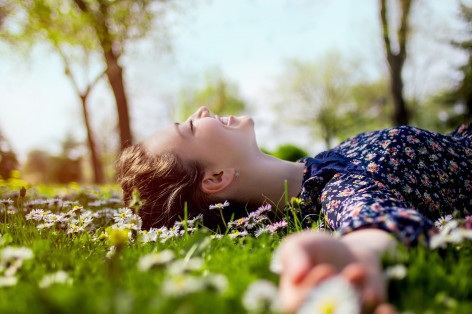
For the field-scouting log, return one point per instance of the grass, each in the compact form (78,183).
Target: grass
(436,281)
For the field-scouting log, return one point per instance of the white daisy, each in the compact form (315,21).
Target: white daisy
(263,209)
(8,281)
(236,234)
(60,277)
(260,231)
(54,218)
(219,205)
(45,225)
(148,261)
(37,214)
(396,272)
(216,236)
(333,296)
(12,259)
(216,282)
(183,265)
(111,252)
(73,228)
(7,201)
(442,221)
(182,284)
(275,262)
(173,232)
(11,253)
(122,215)
(450,234)
(10,268)
(261,296)
(276,226)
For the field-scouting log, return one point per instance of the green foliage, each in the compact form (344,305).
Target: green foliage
(43,167)
(289,152)
(330,98)
(459,99)
(86,24)
(8,160)
(219,95)
(447,109)
(373,107)
(436,282)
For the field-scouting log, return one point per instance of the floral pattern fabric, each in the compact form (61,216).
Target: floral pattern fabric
(398,180)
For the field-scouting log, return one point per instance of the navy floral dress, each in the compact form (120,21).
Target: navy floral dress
(399,180)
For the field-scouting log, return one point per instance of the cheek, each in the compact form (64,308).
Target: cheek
(215,140)
(211,133)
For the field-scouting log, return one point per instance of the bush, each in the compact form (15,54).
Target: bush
(289,152)
(8,160)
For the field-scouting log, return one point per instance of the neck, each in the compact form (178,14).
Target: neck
(264,180)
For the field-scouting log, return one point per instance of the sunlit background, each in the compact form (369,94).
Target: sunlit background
(310,72)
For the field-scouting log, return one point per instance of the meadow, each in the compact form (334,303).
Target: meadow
(76,249)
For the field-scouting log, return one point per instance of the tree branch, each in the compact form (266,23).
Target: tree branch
(68,69)
(73,79)
(404,26)
(82,6)
(385,27)
(92,84)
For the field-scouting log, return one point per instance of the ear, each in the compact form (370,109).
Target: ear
(216,181)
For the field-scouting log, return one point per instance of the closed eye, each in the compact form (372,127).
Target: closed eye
(191,126)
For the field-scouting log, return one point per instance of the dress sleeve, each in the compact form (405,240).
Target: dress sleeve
(351,202)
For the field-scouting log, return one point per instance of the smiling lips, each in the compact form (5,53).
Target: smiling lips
(226,120)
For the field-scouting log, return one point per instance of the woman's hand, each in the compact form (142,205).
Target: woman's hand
(309,257)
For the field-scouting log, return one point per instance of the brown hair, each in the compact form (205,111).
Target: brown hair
(165,182)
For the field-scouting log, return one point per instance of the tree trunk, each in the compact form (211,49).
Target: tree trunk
(115,77)
(94,158)
(400,114)
(467,87)
(114,71)
(396,59)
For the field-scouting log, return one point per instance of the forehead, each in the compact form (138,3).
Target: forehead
(164,140)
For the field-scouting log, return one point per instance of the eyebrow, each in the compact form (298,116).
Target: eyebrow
(176,126)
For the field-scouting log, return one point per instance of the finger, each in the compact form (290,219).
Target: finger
(300,252)
(385,308)
(371,294)
(294,261)
(316,275)
(293,295)
(355,274)
(370,299)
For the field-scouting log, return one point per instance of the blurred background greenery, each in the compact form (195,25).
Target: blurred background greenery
(305,102)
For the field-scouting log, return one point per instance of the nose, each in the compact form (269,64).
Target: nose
(202,112)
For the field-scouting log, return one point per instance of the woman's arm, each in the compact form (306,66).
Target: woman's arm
(371,242)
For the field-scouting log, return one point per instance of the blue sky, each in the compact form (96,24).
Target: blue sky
(247,40)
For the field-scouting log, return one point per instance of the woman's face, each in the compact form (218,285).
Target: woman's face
(211,140)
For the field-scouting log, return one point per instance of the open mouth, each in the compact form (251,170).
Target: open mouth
(226,120)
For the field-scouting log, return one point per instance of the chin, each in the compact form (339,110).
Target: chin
(247,120)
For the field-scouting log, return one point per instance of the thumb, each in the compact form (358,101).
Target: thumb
(295,263)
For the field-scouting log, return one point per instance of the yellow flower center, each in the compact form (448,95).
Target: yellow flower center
(328,307)
(119,236)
